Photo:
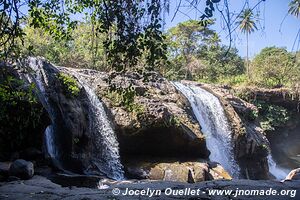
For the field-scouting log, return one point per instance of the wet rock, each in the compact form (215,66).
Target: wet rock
(251,147)
(22,169)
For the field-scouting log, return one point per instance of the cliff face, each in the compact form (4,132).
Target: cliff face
(151,119)
(149,116)
(251,146)
(284,97)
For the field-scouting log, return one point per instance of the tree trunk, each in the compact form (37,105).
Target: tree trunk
(247,59)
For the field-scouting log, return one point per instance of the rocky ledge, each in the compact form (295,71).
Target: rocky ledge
(41,188)
(151,117)
(251,146)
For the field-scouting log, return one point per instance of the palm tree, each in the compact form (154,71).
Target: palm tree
(247,25)
(294,8)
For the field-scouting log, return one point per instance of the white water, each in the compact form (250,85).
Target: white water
(105,140)
(214,125)
(50,145)
(275,170)
(39,78)
(105,145)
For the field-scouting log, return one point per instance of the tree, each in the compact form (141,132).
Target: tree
(219,63)
(83,51)
(294,8)
(185,40)
(128,35)
(247,26)
(275,67)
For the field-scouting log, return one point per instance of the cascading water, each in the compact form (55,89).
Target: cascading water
(39,78)
(105,146)
(104,137)
(213,121)
(275,170)
(50,145)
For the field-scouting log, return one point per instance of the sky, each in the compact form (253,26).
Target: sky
(276,28)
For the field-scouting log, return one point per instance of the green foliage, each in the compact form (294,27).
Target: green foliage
(246,21)
(70,84)
(76,140)
(294,8)
(174,121)
(128,40)
(124,97)
(236,80)
(85,50)
(272,116)
(275,67)
(20,114)
(195,53)
(219,64)
(253,114)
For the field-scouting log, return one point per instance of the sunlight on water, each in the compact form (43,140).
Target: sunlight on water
(214,125)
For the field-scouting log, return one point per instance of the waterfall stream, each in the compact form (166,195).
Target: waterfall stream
(105,151)
(275,170)
(105,140)
(214,125)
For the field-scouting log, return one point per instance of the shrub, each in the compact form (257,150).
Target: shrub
(21,116)
(70,85)
(124,97)
(272,116)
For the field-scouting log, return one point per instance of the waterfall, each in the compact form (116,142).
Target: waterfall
(275,170)
(38,76)
(105,152)
(214,125)
(105,139)
(50,145)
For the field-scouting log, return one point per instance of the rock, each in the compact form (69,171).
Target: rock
(4,168)
(293,175)
(22,169)
(158,121)
(12,178)
(217,172)
(31,154)
(251,147)
(161,123)
(288,98)
(188,172)
(41,188)
(14,156)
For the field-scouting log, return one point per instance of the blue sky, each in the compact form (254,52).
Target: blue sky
(272,13)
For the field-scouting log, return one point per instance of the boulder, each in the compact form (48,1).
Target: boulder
(191,172)
(4,168)
(22,169)
(217,172)
(293,175)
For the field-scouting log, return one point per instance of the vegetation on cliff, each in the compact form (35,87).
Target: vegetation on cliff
(21,115)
